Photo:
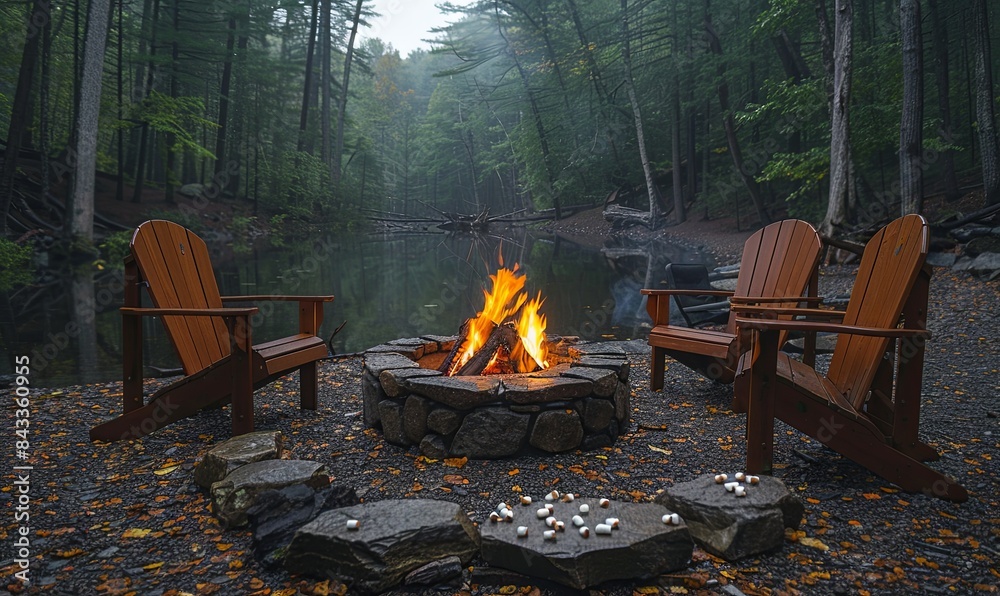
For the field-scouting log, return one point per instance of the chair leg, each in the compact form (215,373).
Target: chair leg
(242,377)
(308,386)
(658,364)
(760,405)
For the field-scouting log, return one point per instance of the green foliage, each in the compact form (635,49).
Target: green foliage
(115,248)
(15,265)
(179,116)
(297,179)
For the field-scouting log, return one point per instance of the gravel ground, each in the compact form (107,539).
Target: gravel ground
(127,517)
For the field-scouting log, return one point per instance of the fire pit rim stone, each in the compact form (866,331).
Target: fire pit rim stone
(595,371)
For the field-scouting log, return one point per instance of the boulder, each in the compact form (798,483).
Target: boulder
(372,395)
(232,497)
(435,572)
(733,527)
(490,433)
(623,404)
(986,262)
(391,414)
(597,414)
(556,431)
(278,514)
(395,537)
(432,447)
(415,412)
(192,190)
(642,547)
(238,451)
(942,259)
(444,421)
(619,365)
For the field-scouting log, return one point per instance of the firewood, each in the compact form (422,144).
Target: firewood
(504,335)
(463,334)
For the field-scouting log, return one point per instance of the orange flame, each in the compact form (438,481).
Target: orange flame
(502,302)
(531,352)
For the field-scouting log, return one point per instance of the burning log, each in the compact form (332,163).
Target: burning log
(502,336)
(463,333)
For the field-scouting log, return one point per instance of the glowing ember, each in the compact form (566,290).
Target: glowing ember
(502,302)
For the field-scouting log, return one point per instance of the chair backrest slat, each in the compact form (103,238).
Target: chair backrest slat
(778,260)
(889,267)
(175,263)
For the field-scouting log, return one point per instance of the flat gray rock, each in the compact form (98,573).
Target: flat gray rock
(394,380)
(461,393)
(597,414)
(395,537)
(605,381)
(733,527)
(642,547)
(413,353)
(618,364)
(238,451)
(375,363)
(232,497)
(538,390)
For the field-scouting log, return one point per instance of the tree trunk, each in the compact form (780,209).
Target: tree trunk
(120,178)
(19,116)
(338,149)
(984,105)
(911,139)
(942,73)
(307,87)
(170,175)
(81,208)
(140,168)
(224,87)
(840,143)
(729,125)
(536,116)
(239,108)
(594,75)
(325,83)
(138,93)
(675,150)
(647,168)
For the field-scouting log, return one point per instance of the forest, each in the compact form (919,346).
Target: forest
(836,111)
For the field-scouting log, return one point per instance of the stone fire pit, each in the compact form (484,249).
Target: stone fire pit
(582,402)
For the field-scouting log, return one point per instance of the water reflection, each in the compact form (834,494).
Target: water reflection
(387,286)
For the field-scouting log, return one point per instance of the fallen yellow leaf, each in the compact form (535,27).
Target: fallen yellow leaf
(456,462)
(166,470)
(813,543)
(136,533)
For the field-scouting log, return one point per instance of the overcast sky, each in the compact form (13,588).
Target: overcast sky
(405,22)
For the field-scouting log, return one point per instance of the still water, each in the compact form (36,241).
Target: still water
(387,286)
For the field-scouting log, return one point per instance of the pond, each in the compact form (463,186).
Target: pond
(387,286)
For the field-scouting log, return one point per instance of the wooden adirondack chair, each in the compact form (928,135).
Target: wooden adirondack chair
(778,267)
(213,343)
(857,408)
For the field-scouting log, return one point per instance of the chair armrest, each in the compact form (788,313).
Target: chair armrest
(724,305)
(772,299)
(666,292)
(264,298)
(188,312)
(781,325)
(763,312)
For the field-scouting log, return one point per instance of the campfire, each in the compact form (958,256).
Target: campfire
(507,336)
